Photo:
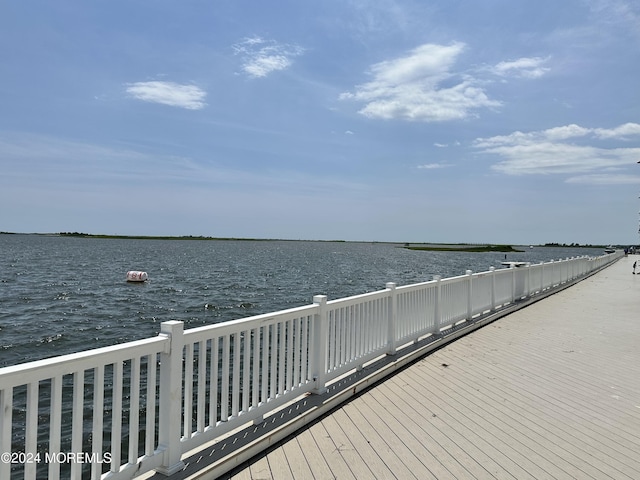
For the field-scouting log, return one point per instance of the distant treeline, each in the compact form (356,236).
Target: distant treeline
(466,248)
(573,245)
(184,237)
(150,237)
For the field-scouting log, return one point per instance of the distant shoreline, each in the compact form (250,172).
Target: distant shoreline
(467,248)
(426,246)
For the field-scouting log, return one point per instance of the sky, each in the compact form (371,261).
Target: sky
(493,121)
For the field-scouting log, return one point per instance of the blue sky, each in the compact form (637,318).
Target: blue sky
(494,121)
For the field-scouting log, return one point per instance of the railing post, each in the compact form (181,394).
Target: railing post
(319,345)
(493,287)
(470,296)
(171,398)
(513,282)
(392,318)
(6,413)
(527,288)
(436,308)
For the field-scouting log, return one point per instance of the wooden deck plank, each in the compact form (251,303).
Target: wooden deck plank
(389,440)
(298,462)
(454,443)
(260,470)
(331,453)
(424,451)
(587,425)
(369,455)
(345,446)
(498,462)
(550,391)
(507,431)
(388,455)
(313,455)
(279,466)
(431,439)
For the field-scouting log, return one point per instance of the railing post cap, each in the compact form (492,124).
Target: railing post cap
(391,285)
(469,272)
(492,269)
(437,278)
(319,299)
(172,322)
(171,326)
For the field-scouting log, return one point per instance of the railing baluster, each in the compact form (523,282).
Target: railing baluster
(392,319)
(202,385)
(246,370)
(150,424)
(289,366)
(77,419)
(187,403)
(224,394)
(281,356)
(31,432)
(55,424)
(255,390)
(273,360)
(98,419)
(116,418)
(236,369)
(297,361)
(304,357)
(213,382)
(6,419)
(134,410)
(264,342)
(342,343)
(319,344)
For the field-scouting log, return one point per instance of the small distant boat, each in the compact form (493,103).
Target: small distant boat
(515,264)
(609,249)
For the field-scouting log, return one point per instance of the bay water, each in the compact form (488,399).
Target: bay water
(62,294)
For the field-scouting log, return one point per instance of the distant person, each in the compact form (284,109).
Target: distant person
(634,267)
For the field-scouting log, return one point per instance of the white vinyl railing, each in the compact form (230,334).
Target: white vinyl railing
(120,411)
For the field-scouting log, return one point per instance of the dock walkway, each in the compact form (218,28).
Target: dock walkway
(550,391)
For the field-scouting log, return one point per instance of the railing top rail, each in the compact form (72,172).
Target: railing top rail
(24,373)
(247,323)
(416,286)
(356,298)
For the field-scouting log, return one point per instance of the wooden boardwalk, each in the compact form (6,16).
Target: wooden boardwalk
(551,391)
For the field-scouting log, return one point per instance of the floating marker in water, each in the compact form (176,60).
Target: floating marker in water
(135,276)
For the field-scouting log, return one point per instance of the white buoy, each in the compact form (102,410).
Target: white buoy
(136,276)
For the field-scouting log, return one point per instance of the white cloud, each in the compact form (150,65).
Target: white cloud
(524,67)
(190,97)
(547,152)
(620,132)
(421,87)
(262,57)
(565,132)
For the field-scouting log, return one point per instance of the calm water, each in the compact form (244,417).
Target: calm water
(60,295)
